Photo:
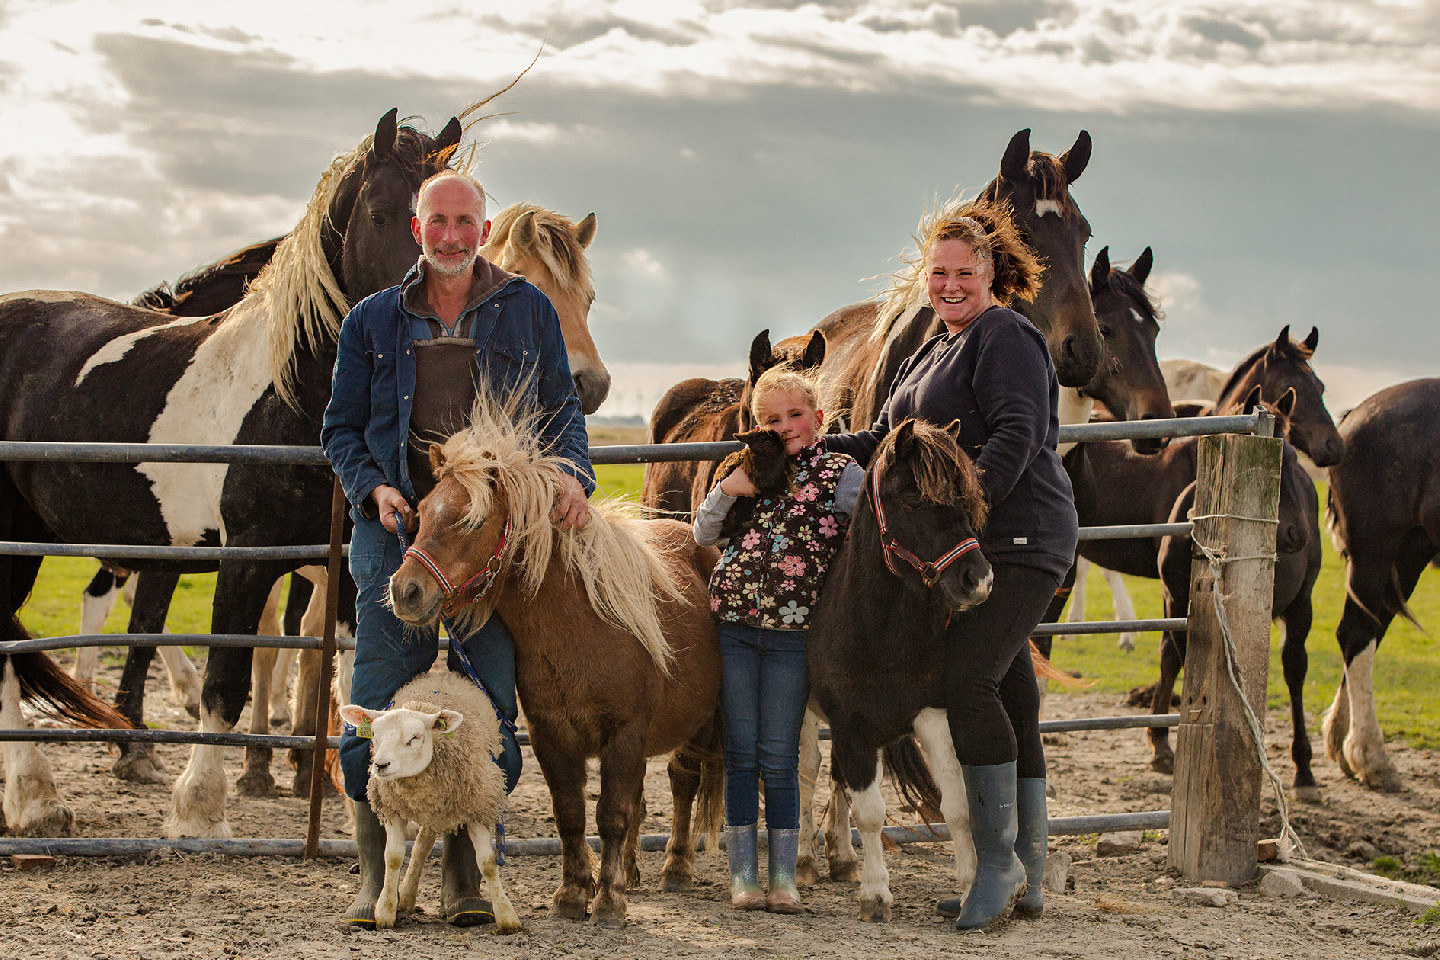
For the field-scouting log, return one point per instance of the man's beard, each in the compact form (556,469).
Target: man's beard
(445,270)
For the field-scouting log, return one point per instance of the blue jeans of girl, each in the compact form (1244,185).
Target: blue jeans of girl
(763,691)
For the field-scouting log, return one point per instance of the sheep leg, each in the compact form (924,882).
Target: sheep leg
(622,767)
(410,886)
(394,860)
(506,919)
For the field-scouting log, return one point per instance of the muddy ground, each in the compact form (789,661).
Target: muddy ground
(174,905)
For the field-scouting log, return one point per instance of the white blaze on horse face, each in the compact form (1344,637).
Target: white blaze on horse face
(1042,207)
(207,405)
(116,349)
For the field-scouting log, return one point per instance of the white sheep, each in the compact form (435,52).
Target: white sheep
(431,762)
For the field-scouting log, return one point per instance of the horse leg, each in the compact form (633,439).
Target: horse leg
(1335,727)
(1075,609)
(1124,607)
(932,728)
(198,802)
(256,780)
(1296,662)
(622,768)
(869,807)
(630,854)
(308,694)
(506,919)
(96,603)
(139,763)
(679,873)
(565,776)
(32,804)
(806,873)
(839,848)
(1172,658)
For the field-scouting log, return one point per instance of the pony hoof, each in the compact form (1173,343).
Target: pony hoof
(1382,780)
(1163,763)
(1308,794)
(608,919)
(48,819)
(875,910)
(845,871)
(676,883)
(138,766)
(570,904)
(632,877)
(805,873)
(256,783)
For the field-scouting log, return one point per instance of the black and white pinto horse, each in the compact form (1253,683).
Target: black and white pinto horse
(71,366)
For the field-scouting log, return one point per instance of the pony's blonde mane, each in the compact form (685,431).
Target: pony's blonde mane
(624,570)
(555,243)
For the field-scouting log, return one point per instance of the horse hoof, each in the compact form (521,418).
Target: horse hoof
(632,877)
(47,819)
(875,910)
(138,766)
(676,883)
(256,783)
(570,904)
(608,919)
(1163,764)
(1308,794)
(805,873)
(1382,780)
(845,871)
(193,709)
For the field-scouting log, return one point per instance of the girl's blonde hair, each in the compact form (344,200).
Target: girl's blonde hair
(784,378)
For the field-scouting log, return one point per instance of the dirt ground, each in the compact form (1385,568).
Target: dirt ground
(174,905)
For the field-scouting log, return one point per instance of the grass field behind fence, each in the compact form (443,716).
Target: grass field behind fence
(1407,670)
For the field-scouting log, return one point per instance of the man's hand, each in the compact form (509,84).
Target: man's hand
(572,509)
(389,501)
(738,484)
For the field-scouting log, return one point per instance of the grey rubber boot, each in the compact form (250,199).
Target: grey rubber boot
(370,838)
(999,874)
(745,892)
(784,846)
(460,902)
(1032,841)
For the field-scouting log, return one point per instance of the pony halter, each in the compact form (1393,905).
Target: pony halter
(472,590)
(929,571)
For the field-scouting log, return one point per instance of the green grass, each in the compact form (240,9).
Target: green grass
(1407,671)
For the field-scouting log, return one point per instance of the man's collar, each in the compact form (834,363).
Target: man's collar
(486,279)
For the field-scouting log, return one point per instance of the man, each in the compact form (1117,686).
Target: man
(408,363)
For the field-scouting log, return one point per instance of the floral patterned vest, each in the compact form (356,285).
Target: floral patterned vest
(772,571)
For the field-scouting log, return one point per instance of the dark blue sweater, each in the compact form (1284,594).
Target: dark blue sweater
(996,377)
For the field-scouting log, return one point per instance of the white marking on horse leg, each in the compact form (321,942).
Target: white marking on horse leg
(1335,727)
(1043,207)
(869,810)
(31,803)
(197,806)
(1074,408)
(276,707)
(184,678)
(805,870)
(344,674)
(932,729)
(839,848)
(389,900)
(506,919)
(1365,746)
(1124,606)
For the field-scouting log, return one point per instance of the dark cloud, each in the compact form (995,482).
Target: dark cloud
(1004,17)
(1226,31)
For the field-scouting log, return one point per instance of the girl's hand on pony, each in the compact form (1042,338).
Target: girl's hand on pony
(738,484)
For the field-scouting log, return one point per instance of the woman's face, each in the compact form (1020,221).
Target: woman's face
(959,283)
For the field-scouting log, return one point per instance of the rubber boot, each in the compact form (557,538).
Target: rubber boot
(1031,843)
(370,838)
(460,902)
(783,896)
(745,892)
(999,874)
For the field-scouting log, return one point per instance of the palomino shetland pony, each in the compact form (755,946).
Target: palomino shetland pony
(616,655)
(1385,517)
(867,342)
(876,645)
(69,367)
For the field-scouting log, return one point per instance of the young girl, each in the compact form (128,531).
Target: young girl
(762,592)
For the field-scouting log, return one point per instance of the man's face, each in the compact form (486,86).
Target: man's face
(450,226)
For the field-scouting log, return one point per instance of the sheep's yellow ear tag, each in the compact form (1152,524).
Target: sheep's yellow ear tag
(364,730)
(443,726)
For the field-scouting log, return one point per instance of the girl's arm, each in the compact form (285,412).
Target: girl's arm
(710,516)
(849,490)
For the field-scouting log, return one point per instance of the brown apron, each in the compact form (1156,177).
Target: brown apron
(444,393)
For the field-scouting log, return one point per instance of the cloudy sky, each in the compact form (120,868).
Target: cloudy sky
(754,165)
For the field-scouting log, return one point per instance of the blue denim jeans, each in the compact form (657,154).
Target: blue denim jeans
(763,691)
(389,654)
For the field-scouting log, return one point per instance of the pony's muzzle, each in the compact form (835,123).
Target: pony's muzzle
(969,587)
(411,602)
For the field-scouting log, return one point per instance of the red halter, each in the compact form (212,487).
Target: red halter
(929,572)
(471,590)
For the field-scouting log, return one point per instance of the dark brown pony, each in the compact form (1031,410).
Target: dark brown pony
(862,361)
(1385,514)
(616,654)
(702,410)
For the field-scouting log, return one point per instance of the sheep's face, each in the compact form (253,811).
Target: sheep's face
(401,741)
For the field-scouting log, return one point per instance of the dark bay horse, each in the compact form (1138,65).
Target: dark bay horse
(616,654)
(875,647)
(69,369)
(867,344)
(1384,511)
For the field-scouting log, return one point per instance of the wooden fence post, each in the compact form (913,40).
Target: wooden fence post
(1215,806)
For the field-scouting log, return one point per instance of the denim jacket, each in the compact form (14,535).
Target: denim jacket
(517,342)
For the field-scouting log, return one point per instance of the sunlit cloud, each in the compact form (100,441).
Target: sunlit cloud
(642,262)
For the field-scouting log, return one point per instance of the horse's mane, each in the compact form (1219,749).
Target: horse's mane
(941,469)
(1292,351)
(623,568)
(1134,291)
(555,243)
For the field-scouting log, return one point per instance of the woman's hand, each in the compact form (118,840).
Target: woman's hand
(738,484)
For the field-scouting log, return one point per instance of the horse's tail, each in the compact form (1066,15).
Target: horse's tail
(1045,671)
(54,692)
(907,767)
(706,750)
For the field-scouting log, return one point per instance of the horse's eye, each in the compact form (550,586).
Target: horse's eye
(1104,330)
(378,219)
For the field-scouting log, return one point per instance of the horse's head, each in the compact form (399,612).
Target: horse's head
(804,352)
(1277,369)
(1129,381)
(927,508)
(367,236)
(1298,501)
(1036,185)
(549,251)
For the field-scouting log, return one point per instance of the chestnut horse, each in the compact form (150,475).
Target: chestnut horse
(616,654)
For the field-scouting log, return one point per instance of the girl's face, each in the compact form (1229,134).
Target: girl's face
(791,416)
(959,283)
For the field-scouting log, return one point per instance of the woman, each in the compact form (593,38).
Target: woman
(991,370)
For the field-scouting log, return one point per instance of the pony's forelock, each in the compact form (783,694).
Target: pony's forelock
(556,246)
(941,470)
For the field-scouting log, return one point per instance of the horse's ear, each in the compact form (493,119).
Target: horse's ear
(953,429)
(1140,269)
(384,143)
(814,354)
(1253,400)
(1282,341)
(437,458)
(762,355)
(1077,157)
(585,231)
(1100,271)
(904,437)
(1312,341)
(522,235)
(448,140)
(1286,406)
(1015,163)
